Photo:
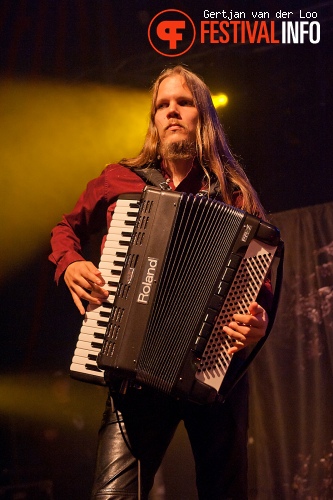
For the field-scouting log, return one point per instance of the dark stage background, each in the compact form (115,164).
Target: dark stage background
(279,121)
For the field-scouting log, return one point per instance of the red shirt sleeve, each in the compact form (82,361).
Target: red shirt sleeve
(90,214)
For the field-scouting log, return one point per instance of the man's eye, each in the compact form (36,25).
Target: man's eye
(161,105)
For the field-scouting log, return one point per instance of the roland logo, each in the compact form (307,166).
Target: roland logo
(148,279)
(247,230)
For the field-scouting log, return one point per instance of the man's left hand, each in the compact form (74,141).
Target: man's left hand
(247,329)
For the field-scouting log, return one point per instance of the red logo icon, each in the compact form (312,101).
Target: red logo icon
(171,33)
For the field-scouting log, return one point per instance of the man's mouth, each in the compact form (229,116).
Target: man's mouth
(174,126)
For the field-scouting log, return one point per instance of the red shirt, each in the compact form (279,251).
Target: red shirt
(93,211)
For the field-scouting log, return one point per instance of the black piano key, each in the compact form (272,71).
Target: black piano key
(104,314)
(104,324)
(116,272)
(96,345)
(99,335)
(112,283)
(118,263)
(126,234)
(93,368)
(121,254)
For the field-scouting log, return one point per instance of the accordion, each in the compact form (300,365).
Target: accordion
(191,263)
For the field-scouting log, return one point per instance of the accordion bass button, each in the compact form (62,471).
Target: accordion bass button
(206,330)
(216,302)
(211,315)
(234,260)
(223,288)
(229,274)
(200,345)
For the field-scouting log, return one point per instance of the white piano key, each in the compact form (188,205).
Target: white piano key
(113,279)
(85,347)
(103,308)
(97,316)
(126,203)
(84,353)
(106,300)
(127,219)
(113,251)
(112,254)
(88,339)
(110,268)
(82,369)
(111,237)
(119,228)
(105,265)
(92,330)
(91,337)
(92,323)
(88,343)
(83,361)
(122,222)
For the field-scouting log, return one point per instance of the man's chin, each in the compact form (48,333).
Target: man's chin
(176,136)
(178,149)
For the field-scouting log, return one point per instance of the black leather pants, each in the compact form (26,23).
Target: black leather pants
(141,424)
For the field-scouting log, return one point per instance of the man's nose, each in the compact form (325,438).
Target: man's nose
(173,110)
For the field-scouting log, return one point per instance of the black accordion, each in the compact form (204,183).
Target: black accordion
(191,263)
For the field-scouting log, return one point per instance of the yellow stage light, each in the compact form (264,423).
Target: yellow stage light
(220,100)
(45,397)
(54,138)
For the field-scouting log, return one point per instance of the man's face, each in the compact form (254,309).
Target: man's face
(176,116)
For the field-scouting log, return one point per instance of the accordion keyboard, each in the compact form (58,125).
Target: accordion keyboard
(84,365)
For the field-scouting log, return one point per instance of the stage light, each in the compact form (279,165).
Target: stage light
(55,137)
(46,397)
(220,100)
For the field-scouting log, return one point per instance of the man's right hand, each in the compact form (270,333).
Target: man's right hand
(85,282)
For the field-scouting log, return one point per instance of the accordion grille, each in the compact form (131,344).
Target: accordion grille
(244,289)
(202,235)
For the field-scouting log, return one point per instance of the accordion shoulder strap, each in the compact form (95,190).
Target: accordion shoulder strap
(153,177)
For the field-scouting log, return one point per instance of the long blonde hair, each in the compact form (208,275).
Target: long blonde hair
(213,152)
